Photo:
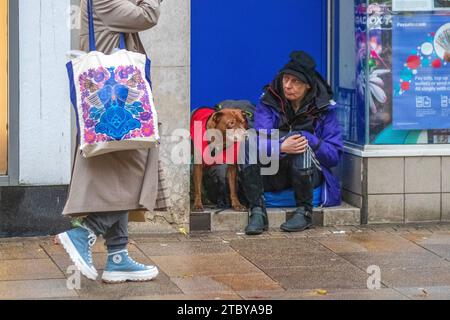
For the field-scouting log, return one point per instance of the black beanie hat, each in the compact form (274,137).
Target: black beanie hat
(302,66)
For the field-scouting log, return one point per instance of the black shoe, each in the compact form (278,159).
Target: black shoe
(258,223)
(301,221)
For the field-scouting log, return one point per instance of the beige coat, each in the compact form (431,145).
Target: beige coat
(127,180)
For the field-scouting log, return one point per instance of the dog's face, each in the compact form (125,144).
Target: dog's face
(232,123)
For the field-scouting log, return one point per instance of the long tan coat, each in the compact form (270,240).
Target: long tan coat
(127,180)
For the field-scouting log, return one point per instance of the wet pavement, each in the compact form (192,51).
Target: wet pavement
(323,263)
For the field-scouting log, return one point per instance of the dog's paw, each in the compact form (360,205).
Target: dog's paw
(198,208)
(239,207)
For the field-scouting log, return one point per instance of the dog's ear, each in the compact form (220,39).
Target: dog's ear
(247,115)
(217,116)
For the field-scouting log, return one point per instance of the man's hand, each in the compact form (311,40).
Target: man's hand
(296,144)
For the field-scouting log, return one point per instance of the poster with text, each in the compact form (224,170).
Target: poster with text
(421,76)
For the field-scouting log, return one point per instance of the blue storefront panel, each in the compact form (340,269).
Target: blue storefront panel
(238,47)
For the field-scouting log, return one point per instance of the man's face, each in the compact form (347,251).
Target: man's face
(294,89)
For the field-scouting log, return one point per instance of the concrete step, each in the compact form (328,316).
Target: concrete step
(229,220)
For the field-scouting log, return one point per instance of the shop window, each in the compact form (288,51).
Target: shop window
(348,62)
(402,82)
(3,86)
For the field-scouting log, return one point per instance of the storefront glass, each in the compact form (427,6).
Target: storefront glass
(402,82)
(349,61)
(3,86)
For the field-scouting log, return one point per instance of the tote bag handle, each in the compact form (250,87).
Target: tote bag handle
(92,43)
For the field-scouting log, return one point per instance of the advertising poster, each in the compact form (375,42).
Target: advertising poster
(420,74)
(361,60)
(379,68)
(416,5)
(420,5)
(442,4)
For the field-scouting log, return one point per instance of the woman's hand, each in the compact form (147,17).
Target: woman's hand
(296,144)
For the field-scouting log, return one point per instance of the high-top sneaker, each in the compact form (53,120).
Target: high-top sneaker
(78,244)
(121,268)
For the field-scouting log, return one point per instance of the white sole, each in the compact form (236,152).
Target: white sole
(85,270)
(141,276)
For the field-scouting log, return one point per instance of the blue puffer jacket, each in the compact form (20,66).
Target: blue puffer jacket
(326,141)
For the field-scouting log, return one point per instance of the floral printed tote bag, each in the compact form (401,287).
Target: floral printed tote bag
(113,100)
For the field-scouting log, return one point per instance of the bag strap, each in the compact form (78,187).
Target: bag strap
(92,42)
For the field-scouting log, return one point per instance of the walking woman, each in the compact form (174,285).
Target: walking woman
(105,188)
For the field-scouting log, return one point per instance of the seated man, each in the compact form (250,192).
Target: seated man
(297,103)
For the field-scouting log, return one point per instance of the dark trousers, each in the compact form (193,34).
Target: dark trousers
(283,179)
(113,226)
(292,173)
(217,190)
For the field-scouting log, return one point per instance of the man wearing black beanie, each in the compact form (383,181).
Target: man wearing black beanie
(299,104)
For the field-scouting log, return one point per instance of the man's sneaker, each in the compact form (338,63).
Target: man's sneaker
(78,245)
(121,268)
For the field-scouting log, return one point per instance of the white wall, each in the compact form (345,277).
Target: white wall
(45,126)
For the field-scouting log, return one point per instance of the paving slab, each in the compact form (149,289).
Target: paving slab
(252,281)
(204,265)
(439,243)
(284,245)
(29,269)
(389,260)
(344,294)
(369,242)
(292,258)
(98,290)
(200,285)
(416,277)
(426,293)
(21,250)
(429,239)
(261,294)
(35,289)
(343,276)
(191,297)
(185,248)
(143,238)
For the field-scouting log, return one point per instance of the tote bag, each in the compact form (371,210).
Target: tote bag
(113,100)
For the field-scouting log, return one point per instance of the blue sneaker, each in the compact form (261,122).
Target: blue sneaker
(121,268)
(78,245)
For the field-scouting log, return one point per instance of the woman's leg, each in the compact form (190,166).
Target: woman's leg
(301,175)
(317,178)
(113,226)
(78,242)
(120,267)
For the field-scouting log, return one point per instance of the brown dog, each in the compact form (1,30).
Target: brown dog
(232,124)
